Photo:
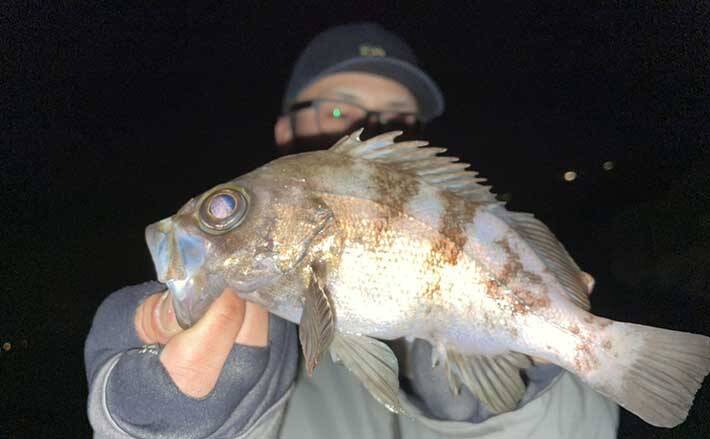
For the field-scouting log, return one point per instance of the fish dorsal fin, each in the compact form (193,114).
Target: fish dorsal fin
(448,173)
(410,156)
(577,284)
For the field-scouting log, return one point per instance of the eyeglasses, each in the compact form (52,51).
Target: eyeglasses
(333,116)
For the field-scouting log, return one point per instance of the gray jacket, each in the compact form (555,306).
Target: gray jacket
(263,393)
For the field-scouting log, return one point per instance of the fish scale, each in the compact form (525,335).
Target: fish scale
(377,240)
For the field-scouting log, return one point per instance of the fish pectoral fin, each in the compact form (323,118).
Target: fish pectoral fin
(495,381)
(317,326)
(374,364)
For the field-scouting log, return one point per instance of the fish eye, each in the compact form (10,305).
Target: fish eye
(223,210)
(222,205)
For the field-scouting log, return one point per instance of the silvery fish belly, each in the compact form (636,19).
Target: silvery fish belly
(377,240)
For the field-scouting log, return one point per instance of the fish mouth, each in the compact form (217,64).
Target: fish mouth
(192,297)
(179,259)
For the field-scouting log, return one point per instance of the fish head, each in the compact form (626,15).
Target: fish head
(243,235)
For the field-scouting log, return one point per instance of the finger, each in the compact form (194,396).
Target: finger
(155,319)
(142,319)
(194,358)
(255,329)
(164,318)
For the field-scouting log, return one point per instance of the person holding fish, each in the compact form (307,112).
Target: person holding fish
(372,247)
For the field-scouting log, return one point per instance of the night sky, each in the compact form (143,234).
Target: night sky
(112,116)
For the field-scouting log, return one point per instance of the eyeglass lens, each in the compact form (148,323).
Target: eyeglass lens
(336,117)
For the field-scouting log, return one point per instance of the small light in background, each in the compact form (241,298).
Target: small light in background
(608,165)
(570,176)
(6,346)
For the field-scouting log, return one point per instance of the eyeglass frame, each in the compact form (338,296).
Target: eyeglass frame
(313,103)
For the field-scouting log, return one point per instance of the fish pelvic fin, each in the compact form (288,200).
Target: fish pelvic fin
(494,380)
(373,363)
(652,372)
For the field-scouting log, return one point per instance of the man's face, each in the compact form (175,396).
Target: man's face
(342,99)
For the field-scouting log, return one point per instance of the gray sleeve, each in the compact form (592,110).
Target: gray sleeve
(131,394)
(433,397)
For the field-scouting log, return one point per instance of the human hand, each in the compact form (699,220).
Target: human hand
(194,357)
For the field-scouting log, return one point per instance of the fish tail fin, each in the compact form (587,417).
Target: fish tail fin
(652,372)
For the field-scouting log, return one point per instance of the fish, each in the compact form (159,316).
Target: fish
(377,240)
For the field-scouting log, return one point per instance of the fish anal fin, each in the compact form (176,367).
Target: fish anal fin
(317,326)
(373,363)
(494,380)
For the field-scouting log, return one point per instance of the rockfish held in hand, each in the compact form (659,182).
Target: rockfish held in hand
(376,240)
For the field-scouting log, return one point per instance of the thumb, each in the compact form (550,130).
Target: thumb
(194,358)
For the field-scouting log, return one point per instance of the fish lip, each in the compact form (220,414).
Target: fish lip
(182,314)
(152,237)
(191,299)
(155,234)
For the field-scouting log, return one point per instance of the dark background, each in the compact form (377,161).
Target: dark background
(112,116)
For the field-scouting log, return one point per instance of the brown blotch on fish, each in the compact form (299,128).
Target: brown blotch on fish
(531,300)
(457,213)
(492,285)
(516,267)
(451,239)
(393,189)
(445,250)
(380,227)
(585,360)
(574,329)
(522,300)
(494,290)
(433,289)
(510,271)
(603,323)
(607,345)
